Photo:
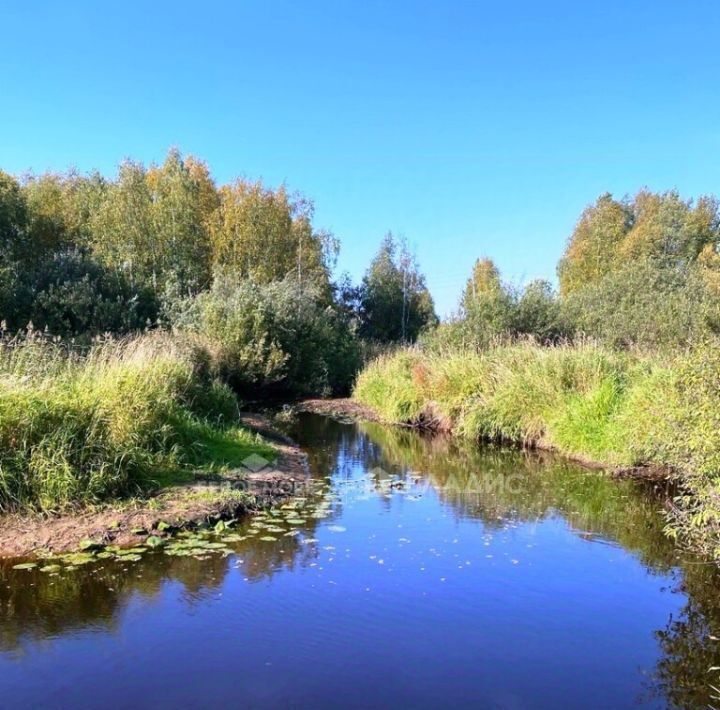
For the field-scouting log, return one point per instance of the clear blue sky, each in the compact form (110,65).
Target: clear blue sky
(473,128)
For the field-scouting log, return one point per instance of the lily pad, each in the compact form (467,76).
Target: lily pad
(154,541)
(26,565)
(51,568)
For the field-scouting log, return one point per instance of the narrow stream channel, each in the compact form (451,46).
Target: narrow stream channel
(415,572)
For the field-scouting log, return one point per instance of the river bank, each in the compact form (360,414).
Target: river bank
(202,502)
(633,415)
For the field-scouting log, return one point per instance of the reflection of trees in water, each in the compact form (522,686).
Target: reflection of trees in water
(689,643)
(476,483)
(35,605)
(473,481)
(496,485)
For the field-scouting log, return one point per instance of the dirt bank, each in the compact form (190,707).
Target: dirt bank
(343,409)
(204,500)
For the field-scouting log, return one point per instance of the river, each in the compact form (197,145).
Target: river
(415,571)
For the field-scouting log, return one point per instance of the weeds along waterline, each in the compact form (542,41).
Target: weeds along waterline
(80,426)
(617,408)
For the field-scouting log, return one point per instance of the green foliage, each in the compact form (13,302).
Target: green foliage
(78,428)
(13,220)
(279,335)
(267,235)
(644,304)
(660,227)
(395,304)
(70,294)
(491,310)
(153,224)
(583,400)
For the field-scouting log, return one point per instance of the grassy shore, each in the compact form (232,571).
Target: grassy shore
(617,409)
(119,419)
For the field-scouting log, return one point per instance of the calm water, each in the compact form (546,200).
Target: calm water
(422,573)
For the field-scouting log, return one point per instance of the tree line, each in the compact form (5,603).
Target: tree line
(641,271)
(83,255)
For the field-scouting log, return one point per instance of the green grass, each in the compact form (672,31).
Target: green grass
(117,420)
(619,409)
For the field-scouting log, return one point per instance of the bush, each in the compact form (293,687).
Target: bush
(644,304)
(69,294)
(275,336)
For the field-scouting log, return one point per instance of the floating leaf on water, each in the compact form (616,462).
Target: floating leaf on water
(268,538)
(90,546)
(176,552)
(162,526)
(105,555)
(79,558)
(26,565)
(130,558)
(292,533)
(295,521)
(154,541)
(51,568)
(220,526)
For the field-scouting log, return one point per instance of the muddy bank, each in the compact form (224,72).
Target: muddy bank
(342,409)
(204,500)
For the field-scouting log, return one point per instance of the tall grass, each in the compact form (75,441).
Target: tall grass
(79,427)
(615,408)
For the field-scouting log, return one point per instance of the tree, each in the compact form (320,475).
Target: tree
(487,306)
(592,250)
(538,313)
(644,303)
(13,221)
(661,227)
(670,230)
(395,302)
(267,235)
(153,224)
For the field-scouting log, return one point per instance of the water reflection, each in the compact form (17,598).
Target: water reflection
(497,488)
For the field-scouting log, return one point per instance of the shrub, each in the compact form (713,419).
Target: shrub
(275,336)
(644,304)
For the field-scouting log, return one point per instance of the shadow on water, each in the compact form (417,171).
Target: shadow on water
(499,488)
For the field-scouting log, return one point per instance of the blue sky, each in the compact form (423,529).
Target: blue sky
(473,128)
